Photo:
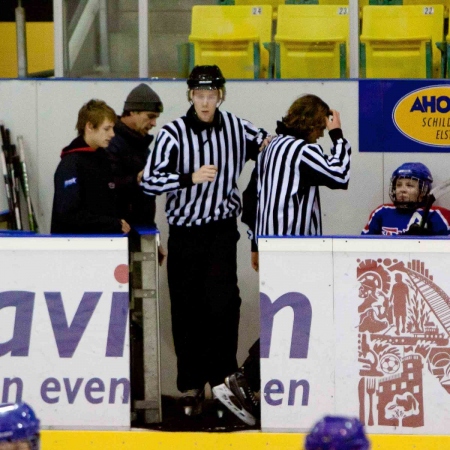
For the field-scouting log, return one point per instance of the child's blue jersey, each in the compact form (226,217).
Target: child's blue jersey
(389,220)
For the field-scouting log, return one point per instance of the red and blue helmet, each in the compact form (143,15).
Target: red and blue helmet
(18,422)
(337,433)
(414,171)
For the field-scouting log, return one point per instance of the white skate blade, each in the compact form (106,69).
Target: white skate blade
(223,394)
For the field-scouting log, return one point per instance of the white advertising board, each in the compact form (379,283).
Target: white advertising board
(378,344)
(64,345)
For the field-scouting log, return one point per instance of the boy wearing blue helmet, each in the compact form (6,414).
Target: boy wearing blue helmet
(19,427)
(337,433)
(410,185)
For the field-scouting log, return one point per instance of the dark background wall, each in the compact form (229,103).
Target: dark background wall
(35,10)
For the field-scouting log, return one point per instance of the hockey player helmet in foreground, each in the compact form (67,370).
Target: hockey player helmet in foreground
(19,427)
(337,433)
(410,185)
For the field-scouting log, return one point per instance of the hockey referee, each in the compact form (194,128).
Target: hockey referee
(291,169)
(197,160)
(282,198)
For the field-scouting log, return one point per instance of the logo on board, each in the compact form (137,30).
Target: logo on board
(404,332)
(423,115)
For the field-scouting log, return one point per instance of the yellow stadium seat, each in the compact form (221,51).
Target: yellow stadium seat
(400,41)
(8,50)
(232,37)
(40,53)
(273,3)
(311,41)
(316,2)
(444,3)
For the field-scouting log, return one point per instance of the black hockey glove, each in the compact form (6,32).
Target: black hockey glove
(416,230)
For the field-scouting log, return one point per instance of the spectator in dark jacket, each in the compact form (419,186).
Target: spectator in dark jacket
(128,152)
(84,201)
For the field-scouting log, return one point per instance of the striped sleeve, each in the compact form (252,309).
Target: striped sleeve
(254,137)
(332,171)
(160,173)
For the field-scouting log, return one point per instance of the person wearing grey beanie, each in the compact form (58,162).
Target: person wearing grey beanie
(143,98)
(128,152)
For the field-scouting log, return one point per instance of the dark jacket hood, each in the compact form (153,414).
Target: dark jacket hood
(78,145)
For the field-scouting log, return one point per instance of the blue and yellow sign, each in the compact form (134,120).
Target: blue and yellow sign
(404,116)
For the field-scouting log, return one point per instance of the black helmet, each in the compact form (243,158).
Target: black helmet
(206,77)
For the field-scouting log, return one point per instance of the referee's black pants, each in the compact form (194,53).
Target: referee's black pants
(205,302)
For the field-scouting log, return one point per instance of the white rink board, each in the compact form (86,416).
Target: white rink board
(64,344)
(282,273)
(388,358)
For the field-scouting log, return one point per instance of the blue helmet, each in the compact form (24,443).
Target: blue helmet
(337,433)
(18,422)
(415,171)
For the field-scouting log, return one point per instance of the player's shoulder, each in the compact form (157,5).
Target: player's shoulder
(230,117)
(173,129)
(383,208)
(442,211)
(440,208)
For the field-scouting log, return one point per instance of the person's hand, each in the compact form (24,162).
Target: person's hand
(333,121)
(265,142)
(125,227)
(139,176)
(416,229)
(162,254)
(255,261)
(204,174)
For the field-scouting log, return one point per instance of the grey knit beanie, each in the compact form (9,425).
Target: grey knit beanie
(143,98)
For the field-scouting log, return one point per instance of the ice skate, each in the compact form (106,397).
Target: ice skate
(237,396)
(218,406)
(191,401)
(238,385)
(227,398)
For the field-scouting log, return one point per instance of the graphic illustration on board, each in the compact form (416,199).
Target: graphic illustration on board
(404,328)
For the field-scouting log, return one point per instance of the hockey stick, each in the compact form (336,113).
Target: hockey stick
(25,186)
(434,194)
(6,176)
(15,161)
(13,177)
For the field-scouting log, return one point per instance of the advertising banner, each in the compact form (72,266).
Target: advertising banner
(64,345)
(387,360)
(297,332)
(404,116)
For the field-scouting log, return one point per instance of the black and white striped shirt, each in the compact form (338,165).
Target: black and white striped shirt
(182,147)
(290,172)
